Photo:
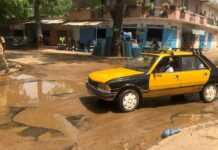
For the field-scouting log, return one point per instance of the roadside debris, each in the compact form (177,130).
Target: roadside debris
(169,132)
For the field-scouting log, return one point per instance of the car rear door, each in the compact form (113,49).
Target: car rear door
(194,71)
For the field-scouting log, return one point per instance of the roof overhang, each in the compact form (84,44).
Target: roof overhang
(83,23)
(54,21)
(48,21)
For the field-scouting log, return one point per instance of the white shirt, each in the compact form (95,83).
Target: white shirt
(170,69)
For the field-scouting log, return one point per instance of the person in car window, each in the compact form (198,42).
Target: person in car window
(169,66)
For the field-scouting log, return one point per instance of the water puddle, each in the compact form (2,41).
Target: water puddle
(80,121)
(24,93)
(38,132)
(28,93)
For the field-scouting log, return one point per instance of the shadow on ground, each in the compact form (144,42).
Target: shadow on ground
(96,105)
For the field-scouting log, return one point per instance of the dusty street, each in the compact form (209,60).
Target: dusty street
(46,106)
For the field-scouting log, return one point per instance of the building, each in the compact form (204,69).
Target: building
(175,24)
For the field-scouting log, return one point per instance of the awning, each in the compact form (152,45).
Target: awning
(83,23)
(54,21)
(48,21)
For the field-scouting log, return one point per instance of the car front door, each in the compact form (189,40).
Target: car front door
(194,72)
(161,80)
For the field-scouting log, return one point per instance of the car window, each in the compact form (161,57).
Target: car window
(142,63)
(168,65)
(192,63)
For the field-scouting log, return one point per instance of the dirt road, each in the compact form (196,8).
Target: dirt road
(46,107)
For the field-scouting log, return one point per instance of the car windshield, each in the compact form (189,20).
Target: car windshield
(141,63)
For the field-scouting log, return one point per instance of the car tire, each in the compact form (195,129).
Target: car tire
(128,100)
(209,93)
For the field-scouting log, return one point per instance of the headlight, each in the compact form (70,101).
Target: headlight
(103,87)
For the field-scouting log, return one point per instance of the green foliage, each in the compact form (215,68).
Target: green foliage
(14,9)
(95,3)
(23,9)
(55,7)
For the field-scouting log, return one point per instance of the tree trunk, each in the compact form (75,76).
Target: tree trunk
(117,14)
(143,6)
(38,24)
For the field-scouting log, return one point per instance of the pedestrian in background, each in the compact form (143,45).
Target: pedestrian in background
(3,61)
(3,42)
(155,45)
(135,48)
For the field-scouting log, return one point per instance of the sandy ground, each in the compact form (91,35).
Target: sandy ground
(46,106)
(199,137)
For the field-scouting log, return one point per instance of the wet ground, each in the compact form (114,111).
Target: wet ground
(46,106)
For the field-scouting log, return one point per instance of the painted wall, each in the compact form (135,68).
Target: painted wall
(169,37)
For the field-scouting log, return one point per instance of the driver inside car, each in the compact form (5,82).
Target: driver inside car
(169,67)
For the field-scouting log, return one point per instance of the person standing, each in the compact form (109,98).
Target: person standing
(3,42)
(3,60)
(135,48)
(155,45)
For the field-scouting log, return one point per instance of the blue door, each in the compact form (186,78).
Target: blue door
(202,41)
(87,36)
(210,39)
(169,38)
(142,37)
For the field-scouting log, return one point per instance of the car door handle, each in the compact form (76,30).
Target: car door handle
(177,76)
(205,74)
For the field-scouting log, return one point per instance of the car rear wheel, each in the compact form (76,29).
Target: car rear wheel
(128,100)
(209,93)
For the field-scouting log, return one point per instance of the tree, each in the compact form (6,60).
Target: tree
(48,8)
(117,9)
(39,35)
(14,9)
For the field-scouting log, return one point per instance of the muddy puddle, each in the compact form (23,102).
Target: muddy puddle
(29,106)
(30,92)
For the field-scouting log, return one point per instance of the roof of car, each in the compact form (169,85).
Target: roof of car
(169,53)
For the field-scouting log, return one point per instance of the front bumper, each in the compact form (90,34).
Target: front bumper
(107,96)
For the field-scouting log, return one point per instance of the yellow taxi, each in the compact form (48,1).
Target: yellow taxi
(156,74)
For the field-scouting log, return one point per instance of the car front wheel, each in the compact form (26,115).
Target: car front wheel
(128,100)
(209,93)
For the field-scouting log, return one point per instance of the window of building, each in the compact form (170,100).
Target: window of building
(155,34)
(18,33)
(131,30)
(101,33)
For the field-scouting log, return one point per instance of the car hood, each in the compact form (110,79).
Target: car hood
(111,74)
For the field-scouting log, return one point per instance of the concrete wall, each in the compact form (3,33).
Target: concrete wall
(194,5)
(80,14)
